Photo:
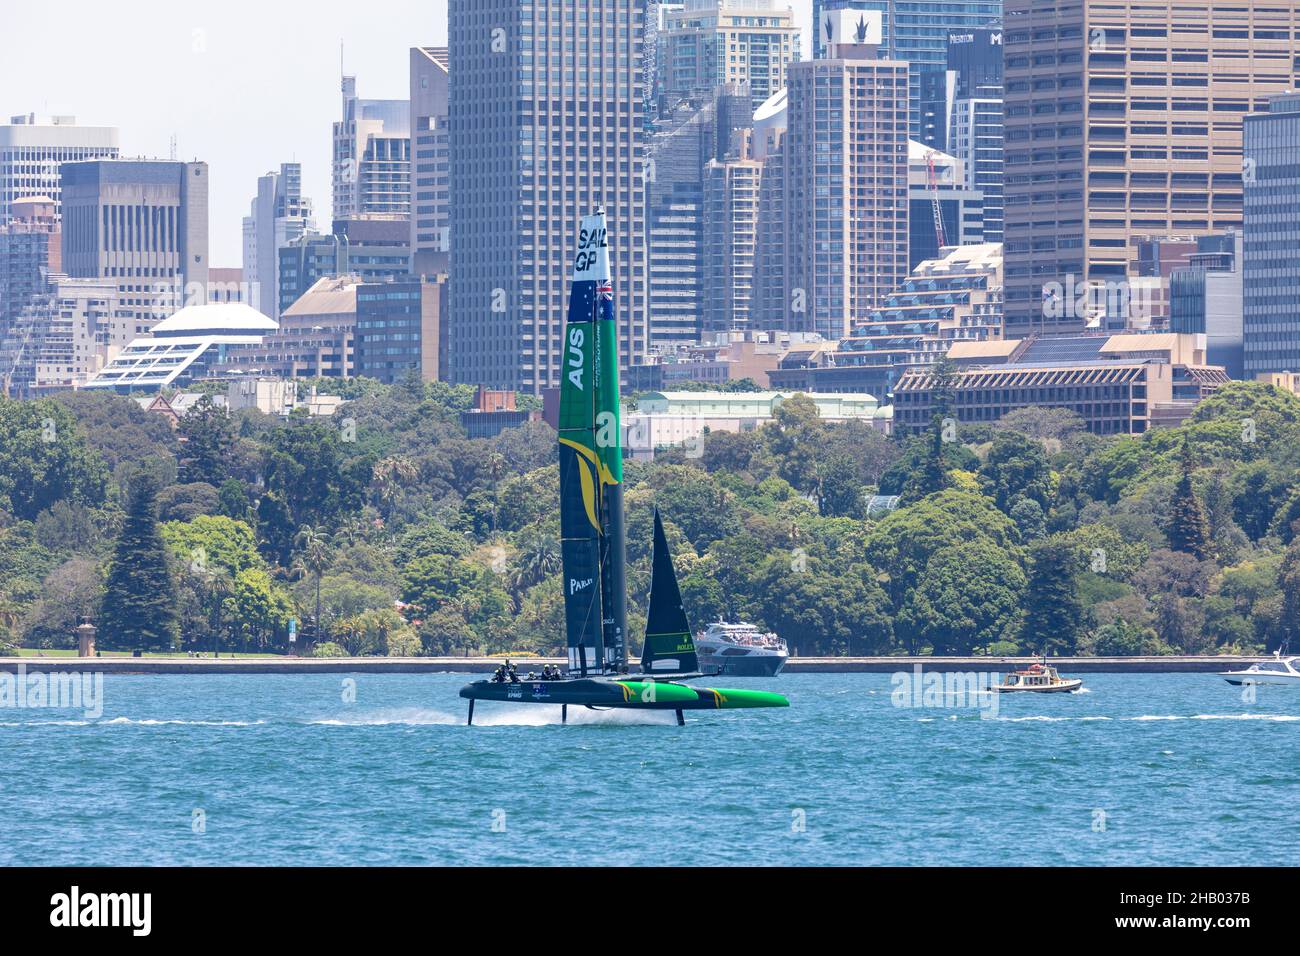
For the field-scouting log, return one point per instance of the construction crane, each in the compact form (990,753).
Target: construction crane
(940,234)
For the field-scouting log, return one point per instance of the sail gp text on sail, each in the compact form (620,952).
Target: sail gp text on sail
(590,265)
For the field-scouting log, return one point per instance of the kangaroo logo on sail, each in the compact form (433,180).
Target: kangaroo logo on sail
(576,586)
(577,357)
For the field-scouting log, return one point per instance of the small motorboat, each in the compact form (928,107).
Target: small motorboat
(1280,670)
(1037,679)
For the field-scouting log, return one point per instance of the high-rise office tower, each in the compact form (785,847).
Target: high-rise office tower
(705,44)
(656,12)
(846,167)
(430,161)
(279,215)
(31,150)
(730,233)
(770,309)
(915,31)
(1123,121)
(678,150)
(1271,257)
(30,251)
(547,124)
(372,156)
(680,147)
(975,123)
(143,224)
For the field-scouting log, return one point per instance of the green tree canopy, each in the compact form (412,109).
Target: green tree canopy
(45,459)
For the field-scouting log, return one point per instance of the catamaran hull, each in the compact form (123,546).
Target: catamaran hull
(622,695)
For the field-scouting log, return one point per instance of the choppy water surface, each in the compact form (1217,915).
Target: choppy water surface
(1139,769)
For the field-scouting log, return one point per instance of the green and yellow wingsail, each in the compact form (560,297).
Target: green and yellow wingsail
(591,465)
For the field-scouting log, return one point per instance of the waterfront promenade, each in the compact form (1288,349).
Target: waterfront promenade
(483,665)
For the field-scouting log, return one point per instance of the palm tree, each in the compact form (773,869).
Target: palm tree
(220,587)
(496,466)
(539,558)
(9,617)
(351,530)
(314,557)
(9,612)
(391,475)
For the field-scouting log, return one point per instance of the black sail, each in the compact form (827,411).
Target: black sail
(669,646)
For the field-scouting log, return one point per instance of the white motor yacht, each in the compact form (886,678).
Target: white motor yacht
(1280,670)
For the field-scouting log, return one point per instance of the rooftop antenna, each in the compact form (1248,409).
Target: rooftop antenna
(173,148)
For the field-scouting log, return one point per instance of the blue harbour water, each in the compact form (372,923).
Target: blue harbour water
(1137,770)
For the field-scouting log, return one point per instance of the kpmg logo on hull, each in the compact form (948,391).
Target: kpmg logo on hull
(577,587)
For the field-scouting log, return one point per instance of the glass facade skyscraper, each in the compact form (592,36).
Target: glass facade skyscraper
(1271,260)
(547,124)
(846,201)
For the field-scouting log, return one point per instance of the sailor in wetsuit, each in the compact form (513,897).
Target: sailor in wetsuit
(499,675)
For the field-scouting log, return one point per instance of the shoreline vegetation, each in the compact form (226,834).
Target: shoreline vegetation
(388,533)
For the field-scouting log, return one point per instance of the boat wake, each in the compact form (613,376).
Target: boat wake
(403,717)
(532,717)
(1277,718)
(1042,719)
(128,722)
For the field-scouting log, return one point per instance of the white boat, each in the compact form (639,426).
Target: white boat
(1280,670)
(741,650)
(1038,679)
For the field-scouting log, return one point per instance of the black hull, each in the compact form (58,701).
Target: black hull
(622,694)
(764,666)
(593,692)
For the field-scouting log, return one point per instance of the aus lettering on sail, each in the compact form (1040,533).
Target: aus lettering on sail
(577,356)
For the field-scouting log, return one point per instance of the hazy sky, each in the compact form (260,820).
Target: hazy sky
(242,84)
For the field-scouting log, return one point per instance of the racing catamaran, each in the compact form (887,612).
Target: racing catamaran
(593,537)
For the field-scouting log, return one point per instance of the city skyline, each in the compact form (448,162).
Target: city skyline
(243,100)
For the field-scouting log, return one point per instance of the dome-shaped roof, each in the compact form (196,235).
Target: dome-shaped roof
(232,317)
